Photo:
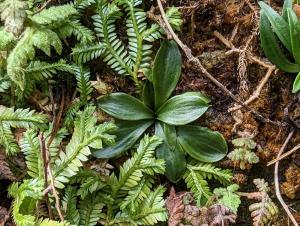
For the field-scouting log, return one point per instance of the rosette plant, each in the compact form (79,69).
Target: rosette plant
(280,38)
(169,115)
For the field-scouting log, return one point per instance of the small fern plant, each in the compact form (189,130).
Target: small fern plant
(19,118)
(127,199)
(196,178)
(243,155)
(64,161)
(25,29)
(132,60)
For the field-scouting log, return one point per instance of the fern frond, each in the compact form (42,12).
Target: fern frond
(13,13)
(208,171)
(142,162)
(70,205)
(81,5)
(8,140)
(90,185)
(86,134)
(30,146)
(29,191)
(136,25)
(7,39)
(116,55)
(137,195)
(54,14)
(48,222)
(38,70)
(21,118)
(228,197)
(84,85)
(90,209)
(71,113)
(83,53)
(24,51)
(151,211)
(4,81)
(155,32)
(198,185)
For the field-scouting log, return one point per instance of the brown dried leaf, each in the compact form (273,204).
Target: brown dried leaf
(175,207)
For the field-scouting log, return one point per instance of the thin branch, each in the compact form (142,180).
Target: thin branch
(294,149)
(45,165)
(270,68)
(200,67)
(276,181)
(43,7)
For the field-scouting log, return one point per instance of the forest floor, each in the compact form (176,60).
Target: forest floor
(214,30)
(224,36)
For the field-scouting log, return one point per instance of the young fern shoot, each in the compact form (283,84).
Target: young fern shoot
(132,60)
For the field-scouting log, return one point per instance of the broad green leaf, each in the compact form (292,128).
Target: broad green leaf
(271,48)
(293,20)
(183,109)
(127,135)
(125,107)
(170,135)
(279,25)
(148,94)
(166,71)
(288,4)
(174,159)
(296,85)
(202,143)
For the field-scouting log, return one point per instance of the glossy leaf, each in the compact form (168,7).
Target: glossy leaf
(202,143)
(296,85)
(127,135)
(288,4)
(293,20)
(170,135)
(279,25)
(174,159)
(148,94)
(183,109)
(166,71)
(271,47)
(125,107)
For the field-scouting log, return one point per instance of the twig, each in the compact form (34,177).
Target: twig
(50,174)
(45,164)
(276,181)
(57,200)
(270,68)
(251,195)
(294,149)
(200,67)
(43,7)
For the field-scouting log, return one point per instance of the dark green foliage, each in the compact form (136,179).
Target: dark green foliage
(169,115)
(287,30)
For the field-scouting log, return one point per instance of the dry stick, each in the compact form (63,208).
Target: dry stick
(45,163)
(49,172)
(264,80)
(279,197)
(198,64)
(43,7)
(294,149)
